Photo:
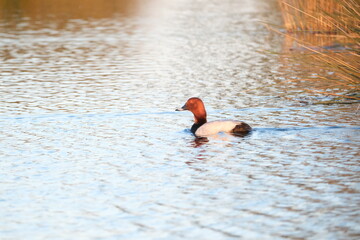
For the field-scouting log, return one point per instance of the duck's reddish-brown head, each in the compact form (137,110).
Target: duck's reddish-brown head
(196,106)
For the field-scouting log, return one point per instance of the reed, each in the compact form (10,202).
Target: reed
(337,18)
(321,16)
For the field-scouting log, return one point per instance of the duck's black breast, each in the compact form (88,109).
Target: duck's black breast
(195,127)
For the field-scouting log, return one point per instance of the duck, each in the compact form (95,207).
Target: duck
(203,128)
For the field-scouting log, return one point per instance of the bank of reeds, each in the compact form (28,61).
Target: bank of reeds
(337,18)
(321,16)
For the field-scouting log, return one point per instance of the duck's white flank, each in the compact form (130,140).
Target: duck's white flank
(214,127)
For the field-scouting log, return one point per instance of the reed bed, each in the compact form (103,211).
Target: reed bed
(321,16)
(339,19)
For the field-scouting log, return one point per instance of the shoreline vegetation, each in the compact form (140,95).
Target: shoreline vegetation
(325,35)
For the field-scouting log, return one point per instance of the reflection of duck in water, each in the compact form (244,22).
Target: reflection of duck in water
(202,128)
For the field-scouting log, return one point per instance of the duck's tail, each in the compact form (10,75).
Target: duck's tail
(242,129)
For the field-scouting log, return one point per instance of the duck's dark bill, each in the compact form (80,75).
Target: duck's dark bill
(183,108)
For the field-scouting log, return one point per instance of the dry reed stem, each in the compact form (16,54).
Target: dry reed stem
(333,94)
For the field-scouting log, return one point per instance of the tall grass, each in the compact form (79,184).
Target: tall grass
(339,18)
(321,16)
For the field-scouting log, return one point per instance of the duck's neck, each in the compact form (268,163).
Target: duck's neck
(200,119)
(200,116)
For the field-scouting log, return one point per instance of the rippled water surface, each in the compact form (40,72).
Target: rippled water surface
(91,147)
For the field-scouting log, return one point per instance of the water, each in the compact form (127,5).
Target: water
(91,147)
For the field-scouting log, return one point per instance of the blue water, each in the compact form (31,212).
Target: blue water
(91,147)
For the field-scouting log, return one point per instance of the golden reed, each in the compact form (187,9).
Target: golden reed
(321,16)
(307,22)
